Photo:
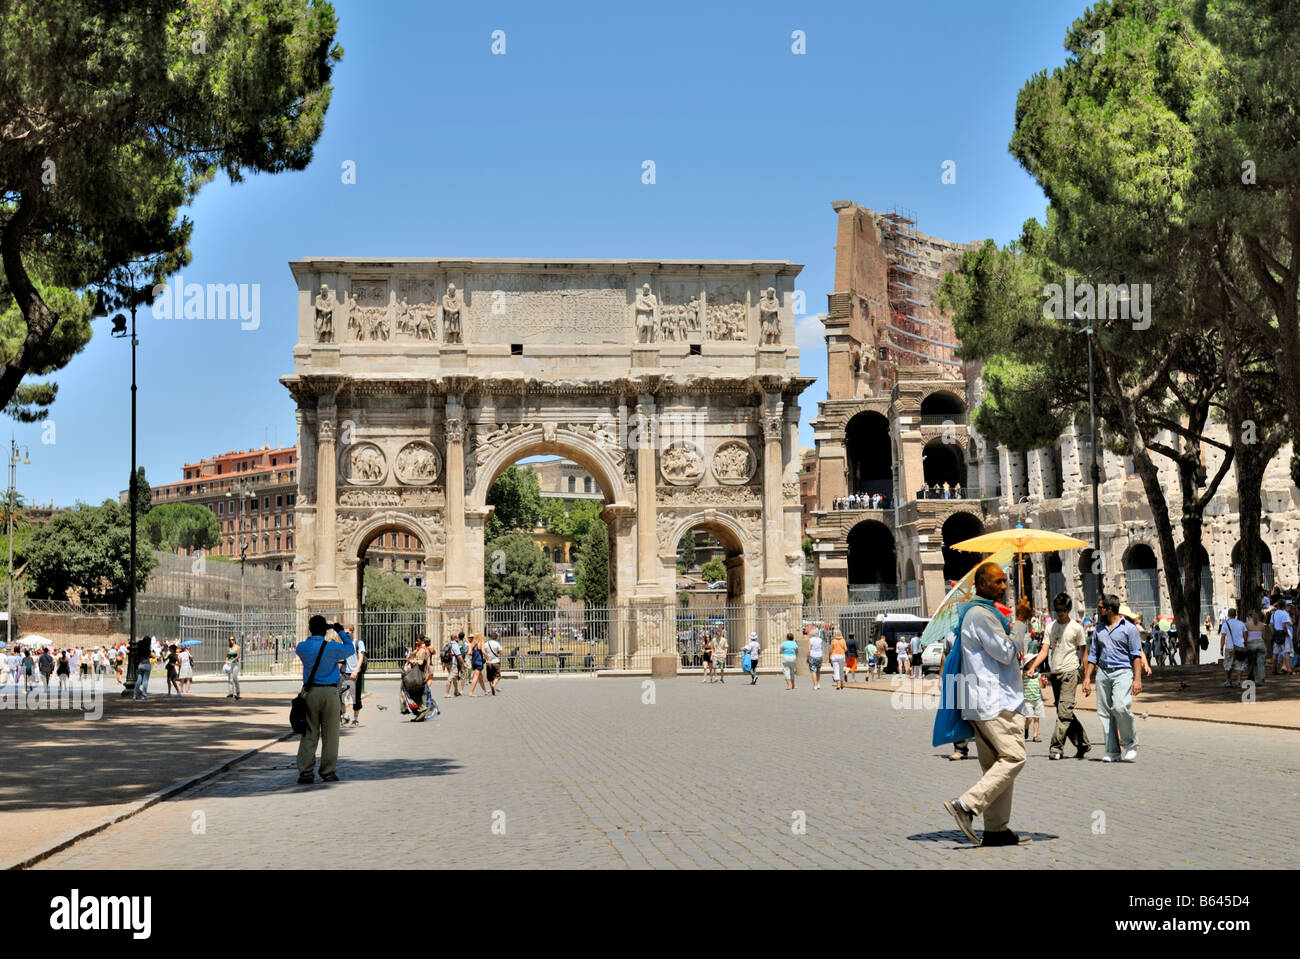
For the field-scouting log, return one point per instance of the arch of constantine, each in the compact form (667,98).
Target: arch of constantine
(674,384)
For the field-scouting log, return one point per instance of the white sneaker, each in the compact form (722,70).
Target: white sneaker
(1110,758)
(1131,756)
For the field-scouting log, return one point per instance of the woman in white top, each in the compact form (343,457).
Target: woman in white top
(815,653)
(187,669)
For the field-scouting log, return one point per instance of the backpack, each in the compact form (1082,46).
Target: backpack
(445,657)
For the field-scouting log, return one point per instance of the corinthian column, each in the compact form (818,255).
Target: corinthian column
(326,519)
(455,561)
(647,535)
(773,503)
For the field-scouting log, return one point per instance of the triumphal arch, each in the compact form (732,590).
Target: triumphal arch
(674,384)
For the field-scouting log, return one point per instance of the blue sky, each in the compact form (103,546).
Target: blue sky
(538,153)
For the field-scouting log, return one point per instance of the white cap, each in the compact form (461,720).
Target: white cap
(753,635)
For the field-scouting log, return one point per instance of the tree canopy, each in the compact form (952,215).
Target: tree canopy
(386,590)
(517,498)
(185,526)
(112,117)
(517,574)
(86,549)
(591,578)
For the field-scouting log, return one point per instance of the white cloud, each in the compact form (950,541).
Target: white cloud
(810,333)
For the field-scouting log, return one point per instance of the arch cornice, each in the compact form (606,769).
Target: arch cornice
(596,458)
(750,540)
(424,523)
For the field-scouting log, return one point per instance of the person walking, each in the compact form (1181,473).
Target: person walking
(463,643)
(903,656)
(1256,649)
(233,656)
(416,675)
(839,657)
(29,670)
(492,661)
(720,657)
(992,695)
(63,670)
(119,664)
(1232,647)
(851,658)
(320,679)
(173,662)
(1280,638)
(476,663)
(1065,640)
(143,667)
(789,659)
(358,664)
(453,662)
(1115,654)
(706,655)
(187,670)
(46,664)
(815,656)
(753,649)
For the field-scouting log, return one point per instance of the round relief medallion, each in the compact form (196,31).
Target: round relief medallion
(734,463)
(682,464)
(418,464)
(366,464)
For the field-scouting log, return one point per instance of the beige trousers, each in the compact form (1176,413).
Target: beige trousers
(1001,745)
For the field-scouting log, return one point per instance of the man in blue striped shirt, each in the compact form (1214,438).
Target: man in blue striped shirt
(1115,653)
(322,695)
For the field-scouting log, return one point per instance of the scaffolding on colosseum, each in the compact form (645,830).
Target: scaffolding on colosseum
(908,339)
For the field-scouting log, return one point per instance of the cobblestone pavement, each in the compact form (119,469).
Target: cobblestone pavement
(583,773)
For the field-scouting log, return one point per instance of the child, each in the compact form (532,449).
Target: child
(1033,708)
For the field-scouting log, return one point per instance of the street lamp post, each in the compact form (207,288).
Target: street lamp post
(119,330)
(244,493)
(13,464)
(1096,465)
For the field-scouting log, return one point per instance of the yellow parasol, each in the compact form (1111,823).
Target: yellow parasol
(1021,541)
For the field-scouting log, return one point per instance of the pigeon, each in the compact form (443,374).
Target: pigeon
(1184,685)
(382,707)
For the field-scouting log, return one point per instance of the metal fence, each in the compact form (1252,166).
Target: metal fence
(567,639)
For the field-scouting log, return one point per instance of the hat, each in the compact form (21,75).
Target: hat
(753,635)
(1128,613)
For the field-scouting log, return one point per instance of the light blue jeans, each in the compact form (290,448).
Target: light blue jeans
(141,690)
(1114,696)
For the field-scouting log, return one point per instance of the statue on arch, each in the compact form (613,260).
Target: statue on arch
(646,303)
(324,315)
(768,308)
(452,308)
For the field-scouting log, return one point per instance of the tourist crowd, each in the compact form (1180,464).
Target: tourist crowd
(863,501)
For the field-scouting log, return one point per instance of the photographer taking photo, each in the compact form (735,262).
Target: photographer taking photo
(320,678)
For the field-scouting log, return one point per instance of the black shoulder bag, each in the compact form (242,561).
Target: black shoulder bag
(298,708)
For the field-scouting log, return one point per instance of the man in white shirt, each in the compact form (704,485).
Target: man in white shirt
(1232,646)
(350,684)
(990,696)
(1064,640)
(492,657)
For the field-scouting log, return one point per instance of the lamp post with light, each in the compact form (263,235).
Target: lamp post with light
(13,464)
(1076,325)
(119,330)
(244,492)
